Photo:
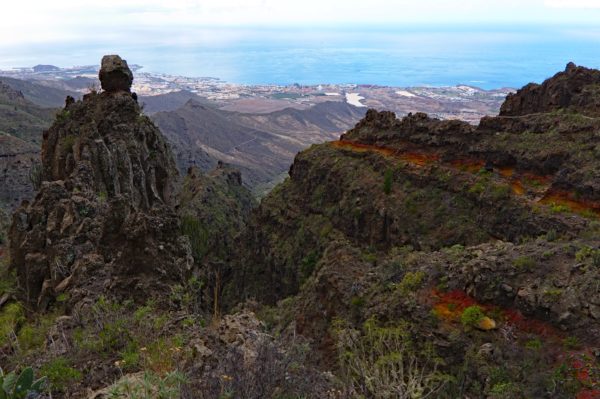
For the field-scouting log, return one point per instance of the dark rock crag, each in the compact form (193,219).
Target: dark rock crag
(575,88)
(103,221)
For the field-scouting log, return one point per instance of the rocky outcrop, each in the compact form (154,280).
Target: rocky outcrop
(103,221)
(577,88)
(422,223)
(114,74)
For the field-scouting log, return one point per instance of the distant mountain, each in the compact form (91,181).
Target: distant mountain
(39,93)
(21,126)
(262,146)
(169,101)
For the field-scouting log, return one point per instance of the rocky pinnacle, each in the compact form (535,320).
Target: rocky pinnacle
(115,74)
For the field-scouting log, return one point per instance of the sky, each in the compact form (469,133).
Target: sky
(27,22)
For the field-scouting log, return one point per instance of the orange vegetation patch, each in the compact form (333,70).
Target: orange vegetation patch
(450,305)
(468,165)
(562,198)
(416,158)
(531,326)
(517,187)
(506,172)
(537,179)
(519,184)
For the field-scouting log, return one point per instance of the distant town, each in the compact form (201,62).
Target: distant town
(452,102)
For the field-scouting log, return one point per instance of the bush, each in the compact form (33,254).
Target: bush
(381,362)
(472,316)
(411,282)
(197,234)
(524,263)
(586,253)
(11,317)
(150,386)
(307,265)
(60,373)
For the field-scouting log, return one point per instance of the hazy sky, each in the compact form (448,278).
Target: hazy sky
(44,21)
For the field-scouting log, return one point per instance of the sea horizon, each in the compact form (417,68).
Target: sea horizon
(483,56)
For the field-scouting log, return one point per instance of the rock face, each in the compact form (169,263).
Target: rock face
(115,74)
(575,88)
(418,222)
(103,220)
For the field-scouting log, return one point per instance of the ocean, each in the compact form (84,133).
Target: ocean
(487,57)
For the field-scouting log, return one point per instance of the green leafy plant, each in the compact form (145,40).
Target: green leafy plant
(471,316)
(13,386)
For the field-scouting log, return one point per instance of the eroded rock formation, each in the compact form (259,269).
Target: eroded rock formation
(103,221)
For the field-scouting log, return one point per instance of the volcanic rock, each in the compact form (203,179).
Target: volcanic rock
(576,88)
(115,74)
(104,216)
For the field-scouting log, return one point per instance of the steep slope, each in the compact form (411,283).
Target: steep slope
(262,146)
(478,245)
(169,101)
(39,94)
(214,208)
(21,126)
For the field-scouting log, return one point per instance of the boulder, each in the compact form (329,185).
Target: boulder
(115,74)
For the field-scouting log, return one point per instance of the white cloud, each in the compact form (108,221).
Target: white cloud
(51,21)
(575,4)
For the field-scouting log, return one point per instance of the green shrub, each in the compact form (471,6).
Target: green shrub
(411,282)
(534,344)
(524,263)
(382,362)
(197,234)
(558,208)
(471,316)
(586,253)
(551,235)
(387,181)
(149,387)
(63,116)
(67,143)
(60,373)
(571,342)
(308,264)
(11,316)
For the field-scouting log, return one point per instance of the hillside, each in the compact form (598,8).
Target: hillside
(479,245)
(262,146)
(409,257)
(21,126)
